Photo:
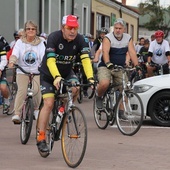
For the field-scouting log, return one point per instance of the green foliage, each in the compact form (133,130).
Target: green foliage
(159,16)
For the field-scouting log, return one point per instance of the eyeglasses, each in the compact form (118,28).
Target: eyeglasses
(70,28)
(28,29)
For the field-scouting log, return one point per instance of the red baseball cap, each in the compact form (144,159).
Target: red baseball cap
(70,20)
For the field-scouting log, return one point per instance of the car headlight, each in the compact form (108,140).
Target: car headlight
(141,88)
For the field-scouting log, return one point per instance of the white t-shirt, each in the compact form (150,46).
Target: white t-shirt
(159,51)
(29,56)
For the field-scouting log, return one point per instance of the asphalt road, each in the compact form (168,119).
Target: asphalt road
(107,149)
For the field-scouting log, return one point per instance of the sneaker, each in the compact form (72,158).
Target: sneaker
(122,115)
(36,112)
(6,108)
(16,119)
(42,146)
(85,94)
(99,102)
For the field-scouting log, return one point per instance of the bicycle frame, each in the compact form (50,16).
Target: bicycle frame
(73,127)
(68,107)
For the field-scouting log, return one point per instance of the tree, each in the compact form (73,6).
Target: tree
(159,17)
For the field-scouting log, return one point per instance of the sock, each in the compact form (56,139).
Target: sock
(41,136)
(6,101)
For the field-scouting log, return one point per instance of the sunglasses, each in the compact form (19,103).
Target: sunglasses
(70,28)
(28,29)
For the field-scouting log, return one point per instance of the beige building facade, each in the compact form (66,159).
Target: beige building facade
(104,13)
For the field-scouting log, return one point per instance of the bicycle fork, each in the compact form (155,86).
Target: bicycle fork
(69,119)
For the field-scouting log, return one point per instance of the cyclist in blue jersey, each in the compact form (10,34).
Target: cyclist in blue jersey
(115,46)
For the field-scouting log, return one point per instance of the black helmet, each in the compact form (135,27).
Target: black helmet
(146,41)
(104,30)
(15,34)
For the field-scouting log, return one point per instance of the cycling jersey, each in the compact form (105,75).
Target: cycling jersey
(3,59)
(64,53)
(118,49)
(158,51)
(144,53)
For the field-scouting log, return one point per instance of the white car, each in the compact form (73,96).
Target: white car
(155,95)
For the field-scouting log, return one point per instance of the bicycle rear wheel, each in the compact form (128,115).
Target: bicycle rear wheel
(100,116)
(26,121)
(74,137)
(129,113)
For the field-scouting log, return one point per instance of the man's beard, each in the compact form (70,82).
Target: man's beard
(118,35)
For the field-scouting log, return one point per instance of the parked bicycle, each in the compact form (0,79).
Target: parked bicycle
(71,129)
(27,113)
(123,106)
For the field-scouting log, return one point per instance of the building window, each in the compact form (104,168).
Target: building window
(127,28)
(102,21)
(132,31)
(84,19)
(113,18)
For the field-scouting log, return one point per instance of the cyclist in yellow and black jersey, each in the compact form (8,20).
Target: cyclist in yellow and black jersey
(62,48)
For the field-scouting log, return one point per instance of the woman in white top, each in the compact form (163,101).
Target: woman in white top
(27,53)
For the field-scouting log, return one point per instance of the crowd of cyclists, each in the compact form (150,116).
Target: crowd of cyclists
(53,56)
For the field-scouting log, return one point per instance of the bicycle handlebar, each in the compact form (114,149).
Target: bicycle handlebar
(77,84)
(19,67)
(127,68)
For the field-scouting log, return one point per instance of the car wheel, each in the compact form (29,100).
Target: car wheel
(159,108)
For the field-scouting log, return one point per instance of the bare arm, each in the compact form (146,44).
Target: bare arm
(132,53)
(127,62)
(105,50)
(97,55)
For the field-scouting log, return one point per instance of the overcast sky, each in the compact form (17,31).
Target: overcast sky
(163,3)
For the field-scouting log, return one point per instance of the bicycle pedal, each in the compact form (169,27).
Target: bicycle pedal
(17,123)
(5,111)
(27,121)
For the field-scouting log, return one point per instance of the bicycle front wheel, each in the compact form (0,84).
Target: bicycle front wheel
(26,121)
(74,137)
(129,113)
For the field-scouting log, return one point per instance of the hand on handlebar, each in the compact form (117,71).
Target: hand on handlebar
(56,82)
(111,67)
(138,68)
(11,65)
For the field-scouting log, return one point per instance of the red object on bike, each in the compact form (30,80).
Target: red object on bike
(159,33)
(61,109)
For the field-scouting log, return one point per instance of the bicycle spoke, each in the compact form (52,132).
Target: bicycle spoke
(129,116)
(74,137)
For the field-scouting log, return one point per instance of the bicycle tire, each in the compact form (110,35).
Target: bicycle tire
(74,137)
(26,121)
(49,136)
(111,109)
(12,86)
(80,95)
(133,115)
(100,116)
